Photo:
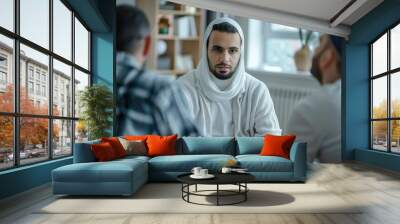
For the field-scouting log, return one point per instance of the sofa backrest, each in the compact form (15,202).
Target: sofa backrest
(249,145)
(206,145)
(83,152)
(190,146)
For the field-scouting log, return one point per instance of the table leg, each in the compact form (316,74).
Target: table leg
(217,194)
(188,189)
(196,188)
(245,193)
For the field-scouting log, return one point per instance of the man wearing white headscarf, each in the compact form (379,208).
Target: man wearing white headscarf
(223,99)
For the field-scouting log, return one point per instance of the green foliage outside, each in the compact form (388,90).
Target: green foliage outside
(380,128)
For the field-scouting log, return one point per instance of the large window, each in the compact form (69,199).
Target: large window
(44,64)
(273,46)
(385,91)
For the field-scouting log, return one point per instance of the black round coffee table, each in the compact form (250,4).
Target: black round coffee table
(238,179)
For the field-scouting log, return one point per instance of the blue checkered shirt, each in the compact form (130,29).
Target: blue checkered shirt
(149,103)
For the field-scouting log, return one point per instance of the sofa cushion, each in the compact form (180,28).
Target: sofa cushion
(207,145)
(83,152)
(134,147)
(133,158)
(116,145)
(103,152)
(277,145)
(185,163)
(249,145)
(161,145)
(135,137)
(111,171)
(257,163)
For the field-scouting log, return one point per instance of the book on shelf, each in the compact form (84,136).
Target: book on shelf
(184,62)
(185,26)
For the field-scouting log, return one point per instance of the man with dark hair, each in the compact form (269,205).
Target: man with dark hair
(317,118)
(147,103)
(223,99)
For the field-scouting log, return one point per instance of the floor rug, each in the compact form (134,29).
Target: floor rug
(167,198)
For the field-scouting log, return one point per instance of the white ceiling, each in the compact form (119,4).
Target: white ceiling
(320,9)
(317,15)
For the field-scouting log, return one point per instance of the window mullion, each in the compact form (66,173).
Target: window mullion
(389,76)
(50,81)
(371,89)
(16,69)
(73,83)
(264,45)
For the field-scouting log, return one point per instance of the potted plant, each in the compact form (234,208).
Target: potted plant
(303,56)
(96,102)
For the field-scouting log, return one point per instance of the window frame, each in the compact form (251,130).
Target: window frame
(268,33)
(3,74)
(3,71)
(388,74)
(16,115)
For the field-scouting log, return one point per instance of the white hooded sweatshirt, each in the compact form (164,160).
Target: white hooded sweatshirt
(238,106)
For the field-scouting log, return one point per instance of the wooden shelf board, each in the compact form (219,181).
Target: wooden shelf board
(172,71)
(177,12)
(162,37)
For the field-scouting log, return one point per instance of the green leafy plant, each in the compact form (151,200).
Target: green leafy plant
(96,102)
(305,36)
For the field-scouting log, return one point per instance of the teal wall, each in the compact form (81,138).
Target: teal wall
(380,159)
(24,178)
(99,15)
(356,86)
(103,54)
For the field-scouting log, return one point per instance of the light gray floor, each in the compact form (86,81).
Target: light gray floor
(378,188)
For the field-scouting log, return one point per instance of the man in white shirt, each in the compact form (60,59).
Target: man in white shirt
(317,118)
(223,99)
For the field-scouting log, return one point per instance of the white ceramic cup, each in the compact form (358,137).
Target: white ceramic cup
(226,170)
(203,172)
(196,170)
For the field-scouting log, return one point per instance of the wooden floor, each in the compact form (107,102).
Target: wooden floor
(379,189)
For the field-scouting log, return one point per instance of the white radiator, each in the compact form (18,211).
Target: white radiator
(286,91)
(285,99)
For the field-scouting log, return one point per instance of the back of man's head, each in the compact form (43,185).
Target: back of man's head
(132,27)
(337,44)
(326,63)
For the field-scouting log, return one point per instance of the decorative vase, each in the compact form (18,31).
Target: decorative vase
(303,59)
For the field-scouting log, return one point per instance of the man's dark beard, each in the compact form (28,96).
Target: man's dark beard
(222,77)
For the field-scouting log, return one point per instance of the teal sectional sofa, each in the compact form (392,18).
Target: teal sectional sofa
(125,176)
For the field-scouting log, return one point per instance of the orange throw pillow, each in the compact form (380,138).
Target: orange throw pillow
(161,145)
(135,137)
(277,145)
(116,145)
(103,152)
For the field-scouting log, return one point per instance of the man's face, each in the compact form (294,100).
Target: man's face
(223,53)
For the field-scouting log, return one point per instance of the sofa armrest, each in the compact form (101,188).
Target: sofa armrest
(83,152)
(298,155)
